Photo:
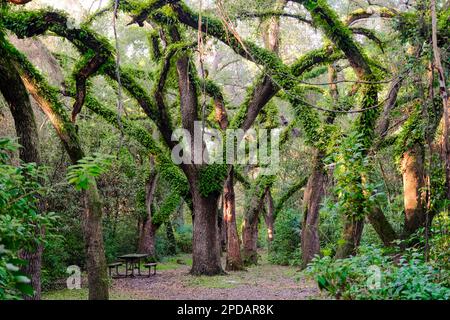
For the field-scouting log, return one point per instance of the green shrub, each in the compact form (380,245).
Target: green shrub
(375,275)
(330,226)
(285,248)
(183,237)
(162,245)
(20,191)
(440,245)
(54,262)
(120,237)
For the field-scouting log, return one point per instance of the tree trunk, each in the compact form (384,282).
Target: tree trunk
(312,199)
(269,216)
(315,188)
(179,216)
(412,164)
(16,95)
(250,240)
(222,227)
(148,237)
(95,255)
(205,244)
(353,229)
(148,231)
(445,99)
(233,261)
(250,228)
(382,226)
(172,248)
(54,110)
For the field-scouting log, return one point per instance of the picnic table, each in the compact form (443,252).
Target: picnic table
(132,262)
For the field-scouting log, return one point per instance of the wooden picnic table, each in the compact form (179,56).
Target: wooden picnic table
(132,262)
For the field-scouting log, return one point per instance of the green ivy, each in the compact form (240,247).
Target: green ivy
(211,179)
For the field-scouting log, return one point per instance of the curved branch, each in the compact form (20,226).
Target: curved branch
(168,170)
(86,71)
(268,14)
(369,34)
(289,193)
(149,9)
(361,14)
(242,179)
(339,33)
(215,92)
(158,92)
(19,1)
(85,40)
(47,98)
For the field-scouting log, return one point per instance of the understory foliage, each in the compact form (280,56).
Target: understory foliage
(82,175)
(375,274)
(356,97)
(353,192)
(20,190)
(285,248)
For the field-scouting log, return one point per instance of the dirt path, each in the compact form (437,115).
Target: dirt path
(173,282)
(264,281)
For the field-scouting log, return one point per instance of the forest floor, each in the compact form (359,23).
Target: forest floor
(173,282)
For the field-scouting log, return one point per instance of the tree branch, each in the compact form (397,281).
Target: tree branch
(19,1)
(86,71)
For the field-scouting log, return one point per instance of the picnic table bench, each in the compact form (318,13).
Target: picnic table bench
(132,263)
(149,266)
(115,265)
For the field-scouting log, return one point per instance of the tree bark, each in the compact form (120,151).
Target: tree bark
(250,241)
(233,260)
(95,255)
(205,244)
(16,95)
(228,233)
(269,216)
(222,226)
(412,165)
(148,239)
(148,232)
(312,199)
(382,226)
(315,188)
(445,98)
(250,230)
(353,229)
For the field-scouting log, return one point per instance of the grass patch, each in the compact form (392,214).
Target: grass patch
(80,294)
(214,282)
(66,294)
(175,262)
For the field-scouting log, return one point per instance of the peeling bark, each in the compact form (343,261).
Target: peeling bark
(269,216)
(233,260)
(414,196)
